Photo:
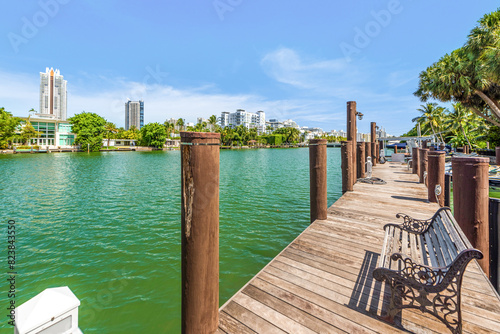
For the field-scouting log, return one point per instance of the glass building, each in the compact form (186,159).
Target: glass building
(134,114)
(52,133)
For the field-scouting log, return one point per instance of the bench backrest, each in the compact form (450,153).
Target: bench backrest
(443,240)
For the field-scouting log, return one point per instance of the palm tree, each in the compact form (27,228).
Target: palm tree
(457,120)
(432,116)
(169,127)
(212,120)
(110,129)
(180,123)
(469,75)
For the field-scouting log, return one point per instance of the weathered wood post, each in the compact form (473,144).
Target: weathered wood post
(351,136)
(200,231)
(414,164)
(422,160)
(435,176)
(373,138)
(380,146)
(346,155)
(368,152)
(470,202)
(317,178)
(361,160)
(497,153)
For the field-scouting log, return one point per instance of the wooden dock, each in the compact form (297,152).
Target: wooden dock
(322,282)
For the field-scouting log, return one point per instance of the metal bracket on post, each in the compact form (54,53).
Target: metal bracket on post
(437,192)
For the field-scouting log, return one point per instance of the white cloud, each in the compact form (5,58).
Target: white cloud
(317,93)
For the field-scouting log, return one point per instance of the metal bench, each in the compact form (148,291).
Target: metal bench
(424,261)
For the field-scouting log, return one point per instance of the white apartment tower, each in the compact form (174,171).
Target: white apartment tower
(53,95)
(241,117)
(134,114)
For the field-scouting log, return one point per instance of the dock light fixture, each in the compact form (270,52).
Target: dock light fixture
(360,115)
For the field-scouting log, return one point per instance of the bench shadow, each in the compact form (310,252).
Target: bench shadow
(411,198)
(368,293)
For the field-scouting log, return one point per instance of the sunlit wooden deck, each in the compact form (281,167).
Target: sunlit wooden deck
(322,282)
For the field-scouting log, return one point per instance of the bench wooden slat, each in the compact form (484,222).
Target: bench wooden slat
(449,249)
(404,242)
(430,249)
(457,240)
(413,247)
(386,248)
(438,248)
(423,250)
(396,243)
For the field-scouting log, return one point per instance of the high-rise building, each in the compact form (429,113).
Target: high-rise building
(134,114)
(53,93)
(241,117)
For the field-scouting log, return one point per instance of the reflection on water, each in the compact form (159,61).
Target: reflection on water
(108,226)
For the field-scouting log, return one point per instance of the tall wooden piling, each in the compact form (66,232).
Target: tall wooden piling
(360,160)
(368,151)
(435,176)
(497,153)
(414,163)
(200,231)
(346,156)
(380,146)
(470,202)
(373,140)
(317,179)
(351,136)
(422,160)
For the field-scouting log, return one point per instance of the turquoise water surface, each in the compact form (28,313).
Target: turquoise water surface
(107,225)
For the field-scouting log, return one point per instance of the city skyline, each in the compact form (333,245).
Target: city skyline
(246,55)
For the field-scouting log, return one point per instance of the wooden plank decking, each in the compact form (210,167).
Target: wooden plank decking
(322,282)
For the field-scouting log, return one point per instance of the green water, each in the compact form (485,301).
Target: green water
(108,226)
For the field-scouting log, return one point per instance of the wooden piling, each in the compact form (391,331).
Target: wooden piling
(351,136)
(317,179)
(200,231)
(422,160)
(373,138)
(435,176)
(368,152)
(497,153)
(470,202)
(346,154)
(360,169)
(414,164)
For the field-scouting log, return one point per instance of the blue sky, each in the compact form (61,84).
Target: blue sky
(293,59)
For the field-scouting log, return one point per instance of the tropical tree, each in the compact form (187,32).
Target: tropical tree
(28,132)
(432,116)
(169,127)
(212,121)
(180,124)
(457,121)
(110,130)
(89,129)
(291,135)
(469,74)
(8,126)
(153,134)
